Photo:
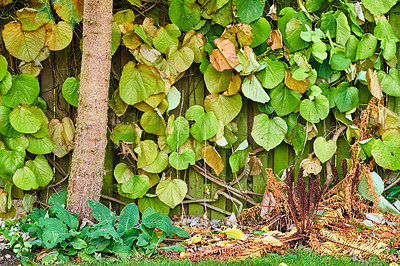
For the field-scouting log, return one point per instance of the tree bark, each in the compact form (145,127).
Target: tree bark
(87,172)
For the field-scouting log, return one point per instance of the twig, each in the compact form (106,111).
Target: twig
(393,184)
(210,206)
(113,199)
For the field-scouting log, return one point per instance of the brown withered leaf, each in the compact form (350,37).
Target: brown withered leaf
(272,12)
(5,2)
(255,165)
(275,40)
(244,34)
(149,28)
(62,133)
(374,86)
(268,204)
(234,85)
(213,159)
(291,83)
(311,165)
(224,57)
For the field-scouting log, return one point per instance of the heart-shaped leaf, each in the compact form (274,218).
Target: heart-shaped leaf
(59,35)
(386,152)
(217,81)
(171,192)
(181,59)
(70,91)
(284,100)
(147,152)
(122,173)
(253,90)
(153,123)
(24,45)
(366,47)
(268,133)
(3,67)
(62,134)
(6,83)
(272,74)
(26,119)
(213,159)
(10,161)
(378,7)
(390,82)
(165,37)
(25,179)
(181,161)
(345,97)
(177,132)
(314,110)
(323,149)
(249,11)
(124,132)
(25,89)
(159,164)
(206,125)
(137,83)
(154,203)
(225,108)
(40,145)
(136,186)
(185,14)
(224,57)
(42,170)
(261,31)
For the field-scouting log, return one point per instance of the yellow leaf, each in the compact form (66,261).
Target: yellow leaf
(24,45)
(374,86)
(194,240)
(58,36)
(235,234)
(234,85)
(311,165)
(62,133)
(213,159)
(227,243)
(28,19)
(291,83)
(271,241)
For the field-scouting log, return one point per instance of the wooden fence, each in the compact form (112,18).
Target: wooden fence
(65,63)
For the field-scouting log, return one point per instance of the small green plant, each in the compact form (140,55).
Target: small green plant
(60,232)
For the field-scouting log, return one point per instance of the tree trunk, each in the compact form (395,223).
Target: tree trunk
(87,172)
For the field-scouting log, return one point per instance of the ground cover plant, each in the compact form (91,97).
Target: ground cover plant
(207,92)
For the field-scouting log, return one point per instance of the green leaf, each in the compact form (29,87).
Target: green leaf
(343,30)
(181,161)
(284,100)
(159,164)
(223,16)
(174,98)
(390,82)
(386,152)
(171,192)
(345,97)
(124,132)
(314,5)
(137,83)
(249,10)
(225,108)
(3,67)
(272,75)
(10,161)
(61,213)
(181,59)
(40,146)
(26,119)
(177,132)
(383,30)
(13,143)
(217,81)
(25,89)
(261,31)
(42,170)
(122,173)
(165,37)
(206,125)
(318,50)
(338,61)
(253,90)
(59,197)
(128,218)
(25,179)
(184,13)
(366,47)
(6,83)
(154,203)
(136,187)
(315,110)
(147,152)
(379,7)
(70,91)
(153,123)
(268,133)
(296,137)
(54,231)
(323,149)
(101,213)
(115,38)
(378,186)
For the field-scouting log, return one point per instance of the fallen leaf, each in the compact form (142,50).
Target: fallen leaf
(235,234)
(275,40)
(271,241)
(225,56)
